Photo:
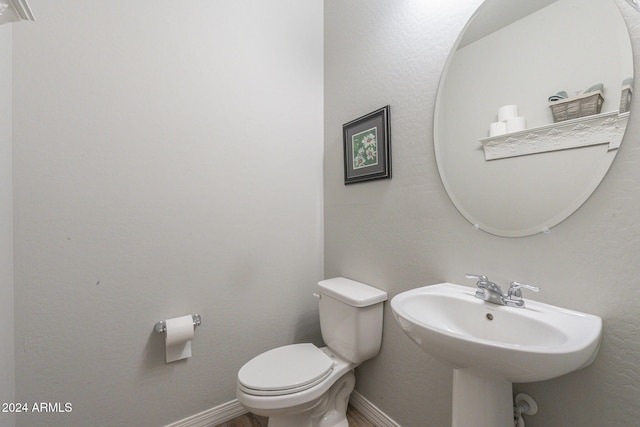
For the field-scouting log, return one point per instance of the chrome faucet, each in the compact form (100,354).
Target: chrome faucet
(490,292)
(487,290)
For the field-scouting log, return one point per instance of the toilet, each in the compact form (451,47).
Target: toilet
(301,385)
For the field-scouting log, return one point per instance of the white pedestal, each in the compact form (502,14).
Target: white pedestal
(481,400)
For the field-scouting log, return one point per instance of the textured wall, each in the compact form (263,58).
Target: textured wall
(403,233)
(7,381)
(168,160)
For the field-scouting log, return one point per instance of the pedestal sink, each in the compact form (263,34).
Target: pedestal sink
(491,346)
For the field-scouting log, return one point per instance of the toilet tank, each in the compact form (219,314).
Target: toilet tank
(351,318)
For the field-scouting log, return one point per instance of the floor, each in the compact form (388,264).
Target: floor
(247,420)
(354,417)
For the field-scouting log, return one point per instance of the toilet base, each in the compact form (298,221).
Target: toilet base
(329,410)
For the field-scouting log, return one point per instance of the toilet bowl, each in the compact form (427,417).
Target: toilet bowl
(301,385)
(318,383)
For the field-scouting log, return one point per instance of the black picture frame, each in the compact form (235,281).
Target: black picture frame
(367,147)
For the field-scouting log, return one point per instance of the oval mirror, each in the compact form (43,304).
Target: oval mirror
(531,110)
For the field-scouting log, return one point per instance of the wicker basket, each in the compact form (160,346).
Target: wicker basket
(579,106)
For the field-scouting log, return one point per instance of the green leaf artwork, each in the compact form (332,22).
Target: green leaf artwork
(365,148)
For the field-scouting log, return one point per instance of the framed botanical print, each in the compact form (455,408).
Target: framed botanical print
(367,147)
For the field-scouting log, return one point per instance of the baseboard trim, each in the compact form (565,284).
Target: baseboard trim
(371,411)
(233,409)
(213,416)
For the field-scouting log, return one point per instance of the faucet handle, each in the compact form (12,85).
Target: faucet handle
(515,292)
(478,277)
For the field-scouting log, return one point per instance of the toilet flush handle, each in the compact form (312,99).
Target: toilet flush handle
(317,295)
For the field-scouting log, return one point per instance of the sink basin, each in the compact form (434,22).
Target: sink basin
(534,343)
(491,346)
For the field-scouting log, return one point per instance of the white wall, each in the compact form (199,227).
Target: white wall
(167,160)
(403,233)
(7,380)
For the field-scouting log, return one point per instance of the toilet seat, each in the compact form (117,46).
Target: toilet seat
(285,370)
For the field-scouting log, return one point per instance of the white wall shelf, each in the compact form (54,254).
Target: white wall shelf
(605,128)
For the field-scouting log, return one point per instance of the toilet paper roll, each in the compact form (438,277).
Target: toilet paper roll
(497,128)
(178,338)
(507,112)
(516,124)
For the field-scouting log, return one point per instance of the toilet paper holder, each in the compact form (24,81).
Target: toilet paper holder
(161,326)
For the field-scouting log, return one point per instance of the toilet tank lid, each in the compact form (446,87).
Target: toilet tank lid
(351,292)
